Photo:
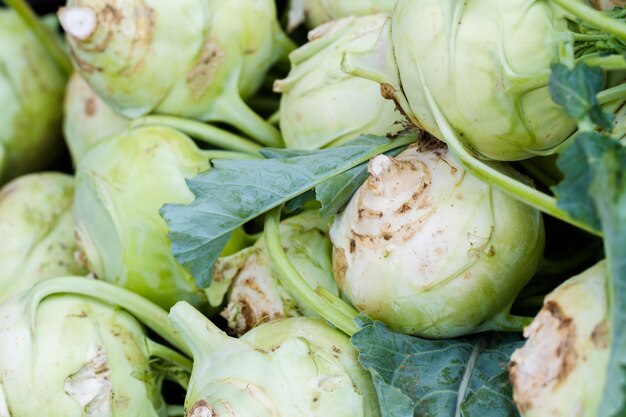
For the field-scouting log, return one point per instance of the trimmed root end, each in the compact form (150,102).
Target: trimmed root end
(78,22)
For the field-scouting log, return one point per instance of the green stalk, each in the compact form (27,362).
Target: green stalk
(611,94)
(201,131)
(231,155)
(491,176)
(45,37)
(291,278)
(585,37)
(537,174)
(145,311)
(175,410)
(610,62)
(157,350)
(274,119)
(593,17)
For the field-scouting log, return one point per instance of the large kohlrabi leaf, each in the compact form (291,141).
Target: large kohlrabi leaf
(456,377)
(573,193)
(336,192)
(594,190)
(607,186)
(576,89)
(236,191)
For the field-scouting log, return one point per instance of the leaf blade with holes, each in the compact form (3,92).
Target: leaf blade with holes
(236,191)
(463,377)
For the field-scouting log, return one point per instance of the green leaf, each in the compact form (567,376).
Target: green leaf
(573,192)
(576,89)
(455,377)
(336,192)
(607,161)
(236,191)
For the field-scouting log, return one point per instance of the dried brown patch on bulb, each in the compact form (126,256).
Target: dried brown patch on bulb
(546,359)
(201,409)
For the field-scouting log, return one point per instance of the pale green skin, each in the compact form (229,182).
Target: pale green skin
(43,345)
(121,184)
(482,63)
(296,366)
(192,58)
(317,12)
(37,223)
(323,106)
(31,96)
(486,64)
(432,251)
(87,119)
(573,326)
(255,294)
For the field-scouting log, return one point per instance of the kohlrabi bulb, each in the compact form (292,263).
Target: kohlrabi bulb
(561,370)
(430,250)
(483,64)
(323,106)
(121,184)
(316,12)
(256,295)
(192,58)
(87,119)
(31,94)
(290,367)
(38,227)
(72,356)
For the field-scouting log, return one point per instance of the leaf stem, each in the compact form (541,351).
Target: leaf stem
(486,173)
(593,17)
(157,350)
(145,311)
(291,278)
(611,94)
(609,62)
(42,33)
(201,131)
(467,375)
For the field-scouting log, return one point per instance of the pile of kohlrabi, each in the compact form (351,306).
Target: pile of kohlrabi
(313,208)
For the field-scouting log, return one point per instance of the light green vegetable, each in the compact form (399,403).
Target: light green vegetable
(191,58)
(316,12)
(121,184)
(255,295)
(430,250)
(297,366)
(73,356)
(561,370)
(38,228)
(323,106)
(31,93)
(486,64)
(87,119)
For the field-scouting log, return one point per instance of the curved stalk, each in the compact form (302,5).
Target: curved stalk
(611,94)
(610,62)
(291,278)
(175,410)
(201,131)
(593,17)
(145,311)
(491,176)
(41,32)
(157,350)
(231,155)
